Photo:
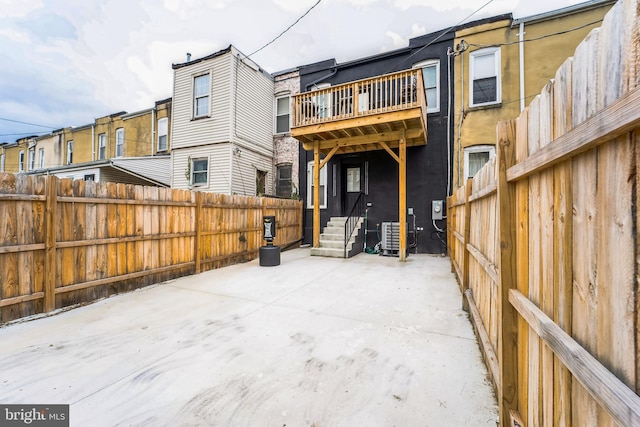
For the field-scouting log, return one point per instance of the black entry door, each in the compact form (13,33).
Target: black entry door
(352,185)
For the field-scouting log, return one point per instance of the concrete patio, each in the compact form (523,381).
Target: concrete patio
(316,341)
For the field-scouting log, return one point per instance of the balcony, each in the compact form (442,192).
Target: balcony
(364,115)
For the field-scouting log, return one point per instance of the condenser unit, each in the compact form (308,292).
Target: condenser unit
(390,238)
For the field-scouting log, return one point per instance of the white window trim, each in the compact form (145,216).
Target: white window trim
(498,66)
(328,98)
(31,165)
(21,161)
(476,149)
(120,141)
(192,171)
(163,120)
(102,143)
(193,96)
(323,181)
(275,114)
(429,63)
(41,158)
(2,159)
(69,152)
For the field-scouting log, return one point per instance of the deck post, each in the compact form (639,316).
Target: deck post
(402,194)
(316,194)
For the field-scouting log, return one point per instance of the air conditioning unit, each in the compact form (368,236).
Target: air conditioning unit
(390,238)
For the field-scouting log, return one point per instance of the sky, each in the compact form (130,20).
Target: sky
(66,62)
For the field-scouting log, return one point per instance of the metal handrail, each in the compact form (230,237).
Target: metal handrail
(352,220)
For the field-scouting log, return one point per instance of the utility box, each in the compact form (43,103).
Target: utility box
(437,208)
(269,254)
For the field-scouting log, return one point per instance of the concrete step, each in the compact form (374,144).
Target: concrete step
(328,252)
(336,236)
(337,244)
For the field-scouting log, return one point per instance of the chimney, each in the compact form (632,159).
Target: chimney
(188,57)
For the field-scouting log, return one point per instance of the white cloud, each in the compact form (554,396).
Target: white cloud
(18,9)
(186,8)
(417,30)
(15,35)
(397,40)
(446,6)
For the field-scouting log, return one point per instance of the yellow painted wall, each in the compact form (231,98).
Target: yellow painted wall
(542,58)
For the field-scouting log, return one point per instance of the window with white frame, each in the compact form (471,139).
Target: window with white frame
(283,105)
(119,142)
(485,87)
(431,78)
(102,146)
(476,157)
(69,152)
(32,158)
(163,134)
(41,158)
(201,91)
(322,102)
(323,186)
(199,172)
(21,161)
(2,162)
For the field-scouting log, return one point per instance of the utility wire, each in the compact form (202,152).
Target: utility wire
(26,123)
(287,29)
(538,38)
(440,35)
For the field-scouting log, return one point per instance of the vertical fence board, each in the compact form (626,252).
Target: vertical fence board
(562,272)
(522,257)
(547,215)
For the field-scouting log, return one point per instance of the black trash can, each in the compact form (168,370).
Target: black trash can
(269,254)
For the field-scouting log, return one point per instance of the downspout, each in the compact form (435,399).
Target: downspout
(461,113)
(521,44)
(318,80)
(153,128)
(450,54)
(93,143)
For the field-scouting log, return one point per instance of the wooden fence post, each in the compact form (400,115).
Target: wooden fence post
(507,315)
(50,229)
(467,237)
(196,243)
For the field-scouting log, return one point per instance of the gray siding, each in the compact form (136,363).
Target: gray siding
(219,167)
(254,115)
(186,132)
(245,164)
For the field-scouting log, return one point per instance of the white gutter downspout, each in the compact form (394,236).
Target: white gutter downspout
(93,144)
(153,127)
(521,40)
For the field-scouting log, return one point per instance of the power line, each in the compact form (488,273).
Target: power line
(26,123)
(287,29)
(539,37)
(440,35)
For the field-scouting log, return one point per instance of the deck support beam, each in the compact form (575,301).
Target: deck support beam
(402,195)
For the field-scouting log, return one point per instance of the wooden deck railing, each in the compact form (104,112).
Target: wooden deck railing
(382,94)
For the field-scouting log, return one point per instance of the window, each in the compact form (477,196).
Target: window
(21,161)
(201,89)
(41,158)
(2,162)
(475,158)
(485,76)
(102,146)
(261,183)
(322,102)
(431,78)
(90,177)
(199,172)
(282,114)
(69,152)
(323,186)
(283,180)
(163,134)
(32,158)
(353,180)
(119,142)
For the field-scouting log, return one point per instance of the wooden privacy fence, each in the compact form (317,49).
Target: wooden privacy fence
(544,242)
(65,242)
